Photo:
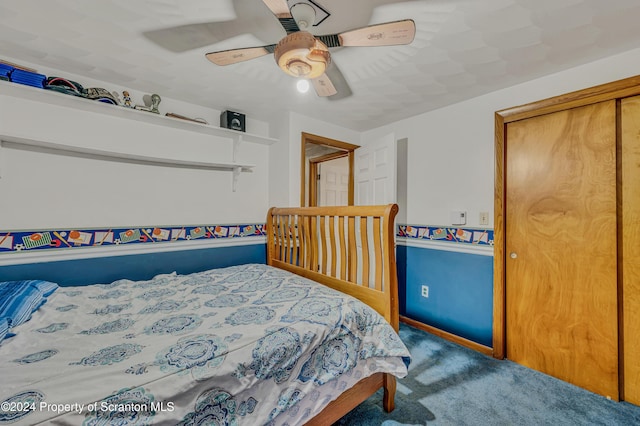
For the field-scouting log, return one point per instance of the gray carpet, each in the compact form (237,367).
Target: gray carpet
(452,385)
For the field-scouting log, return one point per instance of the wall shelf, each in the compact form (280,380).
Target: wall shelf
(7,141)
(59,99)
(11,139)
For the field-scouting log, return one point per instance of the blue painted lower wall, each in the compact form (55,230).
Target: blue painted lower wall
(134,267)
(460,291)
(460,285)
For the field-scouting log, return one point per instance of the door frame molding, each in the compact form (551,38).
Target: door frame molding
(609,91)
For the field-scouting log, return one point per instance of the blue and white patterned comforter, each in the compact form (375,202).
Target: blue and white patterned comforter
(247,344)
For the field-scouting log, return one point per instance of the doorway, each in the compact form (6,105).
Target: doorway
(318,152)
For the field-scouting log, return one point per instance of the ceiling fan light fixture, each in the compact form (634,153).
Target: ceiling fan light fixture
(303,85)
(301,55)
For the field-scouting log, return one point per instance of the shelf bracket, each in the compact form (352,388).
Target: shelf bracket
(236,147)
(236,175)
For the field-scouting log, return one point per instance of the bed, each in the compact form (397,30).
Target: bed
(301,340)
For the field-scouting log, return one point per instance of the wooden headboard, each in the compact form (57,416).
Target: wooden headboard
(350,249)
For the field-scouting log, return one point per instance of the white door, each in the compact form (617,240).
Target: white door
(375,172)
(334,182)
(375,182)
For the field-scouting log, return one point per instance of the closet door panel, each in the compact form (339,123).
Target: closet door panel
(630,246)
(561,246)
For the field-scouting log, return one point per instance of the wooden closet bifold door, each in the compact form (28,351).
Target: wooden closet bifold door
(630,246)
(561,245)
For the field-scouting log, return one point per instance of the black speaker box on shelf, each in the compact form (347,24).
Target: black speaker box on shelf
(232,120)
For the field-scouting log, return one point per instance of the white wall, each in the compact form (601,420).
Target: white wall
(45,189)
(451,150)
(280,172)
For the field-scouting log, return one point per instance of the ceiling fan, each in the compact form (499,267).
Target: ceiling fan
(303,55)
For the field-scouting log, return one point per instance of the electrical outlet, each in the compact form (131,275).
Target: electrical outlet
(484,218)
(425,291)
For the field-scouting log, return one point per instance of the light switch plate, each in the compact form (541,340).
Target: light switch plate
(484,218)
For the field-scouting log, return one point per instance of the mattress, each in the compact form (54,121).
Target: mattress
(244,345)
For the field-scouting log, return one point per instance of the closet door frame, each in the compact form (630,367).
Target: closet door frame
(629,236)
(615,90)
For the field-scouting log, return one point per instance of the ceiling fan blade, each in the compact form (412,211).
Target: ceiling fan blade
(339,82)
(193,36)
(324,86)
(233,56)
(387,34)
(280,9)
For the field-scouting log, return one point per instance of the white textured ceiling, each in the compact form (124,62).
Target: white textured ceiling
(462,49)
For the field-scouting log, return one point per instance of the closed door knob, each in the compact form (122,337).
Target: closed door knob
(513,255)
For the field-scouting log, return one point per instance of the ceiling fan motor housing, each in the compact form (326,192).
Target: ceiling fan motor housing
(301,55)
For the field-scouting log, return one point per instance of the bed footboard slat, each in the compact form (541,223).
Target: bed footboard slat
(307,242)
(323,241)
(353,250)
(314,253)
(332,243)
(378,252)
(343,249)
(279,231)
(364,236)
(295,240)
(287,239)
(303,242)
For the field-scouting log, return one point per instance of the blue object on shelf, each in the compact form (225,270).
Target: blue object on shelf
(5,71)
(106,101)
(28,78)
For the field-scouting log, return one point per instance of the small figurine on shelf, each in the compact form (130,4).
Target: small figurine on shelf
(126,99)
(155,101)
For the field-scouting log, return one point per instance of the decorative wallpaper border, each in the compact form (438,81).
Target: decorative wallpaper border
(51,239)
(468,236)
(20,241)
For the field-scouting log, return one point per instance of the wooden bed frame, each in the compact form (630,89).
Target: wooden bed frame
(352,250)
